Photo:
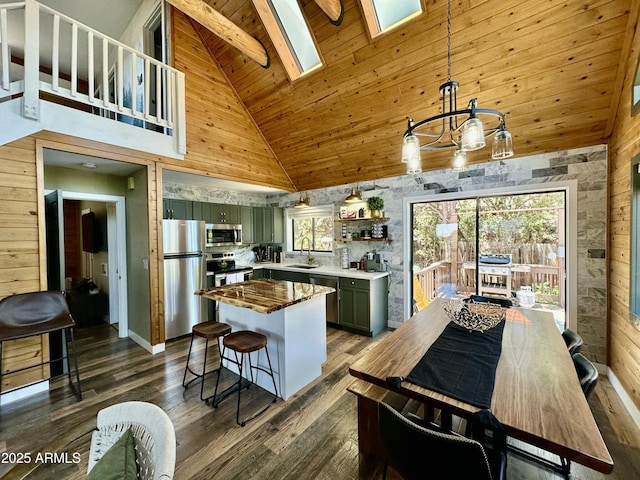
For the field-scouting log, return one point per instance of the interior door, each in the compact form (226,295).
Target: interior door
(54,226)
(54,219)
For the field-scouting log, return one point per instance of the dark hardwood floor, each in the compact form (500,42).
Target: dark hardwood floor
(313,435)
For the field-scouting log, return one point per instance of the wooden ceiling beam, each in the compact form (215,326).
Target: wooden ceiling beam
(224,28)
(334,9)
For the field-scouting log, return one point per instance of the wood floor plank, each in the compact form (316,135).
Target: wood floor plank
(311,436)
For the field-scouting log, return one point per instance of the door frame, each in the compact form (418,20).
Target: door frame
(570,187)
(117,241)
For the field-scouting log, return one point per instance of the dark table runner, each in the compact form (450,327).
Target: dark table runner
(461,364)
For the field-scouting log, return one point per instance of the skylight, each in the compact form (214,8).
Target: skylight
(383,15)
(290,34)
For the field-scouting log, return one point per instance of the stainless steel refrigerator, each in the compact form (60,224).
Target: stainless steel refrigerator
(185,270)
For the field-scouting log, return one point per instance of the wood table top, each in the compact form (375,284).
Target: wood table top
(265,295)
(537,395)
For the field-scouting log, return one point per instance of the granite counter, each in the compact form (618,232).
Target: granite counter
(292,315)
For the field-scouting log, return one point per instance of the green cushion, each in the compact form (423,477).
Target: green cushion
(119,462)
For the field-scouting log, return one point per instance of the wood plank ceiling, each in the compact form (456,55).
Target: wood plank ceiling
(554,67)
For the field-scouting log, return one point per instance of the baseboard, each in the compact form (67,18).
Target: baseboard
(25,392)
(152,349)
(624,396)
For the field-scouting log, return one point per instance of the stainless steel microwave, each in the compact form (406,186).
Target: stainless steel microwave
(223,234)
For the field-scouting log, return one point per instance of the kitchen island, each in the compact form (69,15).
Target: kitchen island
(292,315)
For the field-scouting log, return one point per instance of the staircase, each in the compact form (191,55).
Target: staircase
(59,75)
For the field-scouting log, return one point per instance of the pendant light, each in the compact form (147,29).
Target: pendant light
(463,129)
(355,196)
(303,202)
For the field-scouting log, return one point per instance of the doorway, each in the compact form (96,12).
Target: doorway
(87,254)
(511,245)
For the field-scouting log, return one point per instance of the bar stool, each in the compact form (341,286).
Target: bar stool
(243,341)
(210,330)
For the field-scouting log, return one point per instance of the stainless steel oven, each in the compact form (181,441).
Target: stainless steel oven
(223,234)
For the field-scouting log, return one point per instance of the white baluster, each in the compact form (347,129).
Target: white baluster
(55,54)
(74,60)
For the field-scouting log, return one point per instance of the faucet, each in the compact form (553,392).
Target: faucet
(309,257)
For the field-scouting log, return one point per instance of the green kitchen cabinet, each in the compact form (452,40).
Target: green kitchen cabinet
(201,211)
(224,213)
(363,305)
(268,225)
(246,220)
(177,209)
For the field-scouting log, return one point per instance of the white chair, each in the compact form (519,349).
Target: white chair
(152,430)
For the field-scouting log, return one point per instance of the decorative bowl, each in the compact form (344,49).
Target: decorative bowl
(477,317)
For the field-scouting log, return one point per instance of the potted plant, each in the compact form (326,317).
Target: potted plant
(375,206)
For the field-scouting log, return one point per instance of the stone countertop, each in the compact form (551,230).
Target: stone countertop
(323,270)
(265,295)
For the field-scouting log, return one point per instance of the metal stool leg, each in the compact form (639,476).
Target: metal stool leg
(186,367)
(77,390)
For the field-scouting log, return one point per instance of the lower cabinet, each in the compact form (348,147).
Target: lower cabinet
(364,305)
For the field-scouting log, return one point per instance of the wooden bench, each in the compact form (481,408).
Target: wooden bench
(369,395)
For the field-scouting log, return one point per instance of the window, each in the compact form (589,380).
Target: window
(635,93)
(290,35)
(311,228)
(383,15)
(635,237)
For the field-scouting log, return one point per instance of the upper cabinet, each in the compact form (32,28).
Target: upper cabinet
(216,212)
(268,225)
(178,209)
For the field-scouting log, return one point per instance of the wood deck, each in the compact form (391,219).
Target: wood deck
(311,436)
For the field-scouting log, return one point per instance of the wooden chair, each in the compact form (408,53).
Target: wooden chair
(419,452)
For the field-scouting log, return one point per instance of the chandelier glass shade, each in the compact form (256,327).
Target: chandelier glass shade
(464,129)
(459,162)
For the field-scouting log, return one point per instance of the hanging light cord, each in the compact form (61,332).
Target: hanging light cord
(449,41)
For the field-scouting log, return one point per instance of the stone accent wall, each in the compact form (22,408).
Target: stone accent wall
(587,166)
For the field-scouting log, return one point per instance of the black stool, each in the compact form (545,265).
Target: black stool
(209,331)
(242,342)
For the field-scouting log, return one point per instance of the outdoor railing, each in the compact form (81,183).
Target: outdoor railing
(106,76)
(435,279)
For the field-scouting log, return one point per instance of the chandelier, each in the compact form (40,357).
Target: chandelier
(462,129)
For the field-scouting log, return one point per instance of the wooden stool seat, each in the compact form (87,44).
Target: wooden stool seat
(245,341)
(210,330)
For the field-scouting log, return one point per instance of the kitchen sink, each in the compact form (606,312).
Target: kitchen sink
(300,265)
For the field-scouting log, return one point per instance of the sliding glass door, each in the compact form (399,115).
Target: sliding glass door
(504,245)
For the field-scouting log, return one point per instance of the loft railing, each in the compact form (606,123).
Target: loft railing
(70,63)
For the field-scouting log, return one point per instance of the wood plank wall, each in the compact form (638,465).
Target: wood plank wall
(222,138)
(624,336)
(20,252)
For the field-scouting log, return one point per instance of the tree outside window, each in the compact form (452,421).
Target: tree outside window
(313,232)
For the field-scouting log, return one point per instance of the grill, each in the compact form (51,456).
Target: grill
(495,274)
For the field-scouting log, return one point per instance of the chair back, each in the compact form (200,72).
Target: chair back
(152,430)
(417,452)
(33,313)
(573,341)
(501,301)
(587,373)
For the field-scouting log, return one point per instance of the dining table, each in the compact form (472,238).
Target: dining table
(537,397)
